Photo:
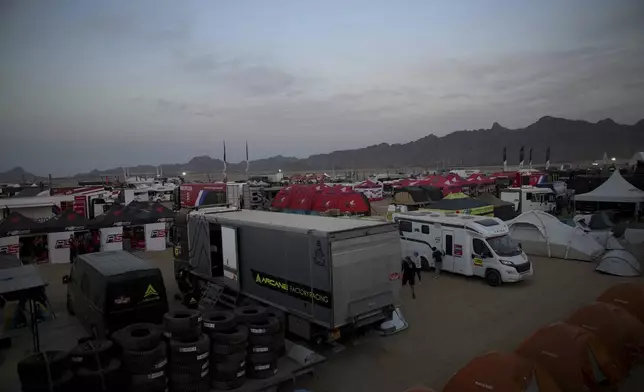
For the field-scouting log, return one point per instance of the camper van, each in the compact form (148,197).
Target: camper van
(472,245)
(530,198)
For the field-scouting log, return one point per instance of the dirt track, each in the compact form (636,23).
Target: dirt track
(453,319)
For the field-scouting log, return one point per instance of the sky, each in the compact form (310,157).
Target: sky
(102,84)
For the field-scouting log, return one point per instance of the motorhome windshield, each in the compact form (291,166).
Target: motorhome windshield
(504,246)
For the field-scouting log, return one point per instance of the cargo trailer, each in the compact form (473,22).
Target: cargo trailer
(327,274)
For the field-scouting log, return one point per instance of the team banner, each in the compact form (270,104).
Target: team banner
(111,238)
(294,289)
(58,244)
(155,234)
(10,246)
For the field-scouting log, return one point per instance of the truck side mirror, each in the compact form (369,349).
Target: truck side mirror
(66,279)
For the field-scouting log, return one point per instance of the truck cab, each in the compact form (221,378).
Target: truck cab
(528,198)
(471,245)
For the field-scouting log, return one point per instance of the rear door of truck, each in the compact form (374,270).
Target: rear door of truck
(366,273)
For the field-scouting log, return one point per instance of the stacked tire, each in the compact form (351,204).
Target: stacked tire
(189,359)
(263,341)
(96,367)
(48,371)
(144,356)
(229,341)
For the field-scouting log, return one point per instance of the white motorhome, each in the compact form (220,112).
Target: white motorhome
(472,245)
(529,198)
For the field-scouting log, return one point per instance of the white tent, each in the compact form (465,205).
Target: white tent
(638,157)
(616,189)
(619,263)
(541,234)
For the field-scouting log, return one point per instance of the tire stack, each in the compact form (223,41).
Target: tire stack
(280,342)
(144,356)
(228,350)
(48,371)
(96,367)
(263,341)
(189,362)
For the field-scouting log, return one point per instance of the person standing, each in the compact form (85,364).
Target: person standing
(438,254)
(409,275)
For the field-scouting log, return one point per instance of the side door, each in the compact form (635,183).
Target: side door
(448,248)
(480,252)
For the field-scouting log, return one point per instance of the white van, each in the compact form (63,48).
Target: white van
(473,245)
(530,198)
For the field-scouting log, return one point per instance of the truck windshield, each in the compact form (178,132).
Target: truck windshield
(504,245)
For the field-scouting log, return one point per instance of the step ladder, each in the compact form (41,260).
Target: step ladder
(214,295)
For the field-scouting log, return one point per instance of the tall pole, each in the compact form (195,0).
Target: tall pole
(247,162)
(225,175)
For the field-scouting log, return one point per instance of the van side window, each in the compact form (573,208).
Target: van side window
(528,196)
(405,226)
(479,247)
(448,245)
(425,229)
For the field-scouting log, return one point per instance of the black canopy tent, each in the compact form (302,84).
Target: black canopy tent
(18,224)
(68,220)
(119,215)
(156,212)
(411,195)
(503,210)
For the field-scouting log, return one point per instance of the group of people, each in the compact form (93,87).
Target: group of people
(89,242)
(411,269)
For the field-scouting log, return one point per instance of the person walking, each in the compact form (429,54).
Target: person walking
(409,275)
(417,265)
(438,254)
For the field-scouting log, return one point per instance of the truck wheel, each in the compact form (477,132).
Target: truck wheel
(218,321)
(251,313)
(236,335)
(493,277)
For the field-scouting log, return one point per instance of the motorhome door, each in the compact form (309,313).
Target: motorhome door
(448,248)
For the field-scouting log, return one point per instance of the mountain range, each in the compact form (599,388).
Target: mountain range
(569,140)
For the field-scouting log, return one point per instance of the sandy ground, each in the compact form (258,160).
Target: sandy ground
(453,319)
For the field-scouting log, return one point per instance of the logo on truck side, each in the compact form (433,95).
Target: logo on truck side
(61,244)
(157,234)
(294,289)
(114,238)
(10,249)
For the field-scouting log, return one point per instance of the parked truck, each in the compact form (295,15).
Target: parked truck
(327,274)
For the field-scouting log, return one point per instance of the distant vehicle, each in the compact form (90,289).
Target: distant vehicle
(472,245)
(110,290)
(191,195)
(530,198)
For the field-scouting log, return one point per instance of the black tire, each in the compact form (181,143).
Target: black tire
(237,335)
(238,356)
(218,321)
(138,337)
(146,362)
(183,324)
(228,385)
(225,349)
(70,306)
(153,382)
(263,340)
(92,354)
(228,366)
(110,378)
(185,382)
(250,314)
(493,277)
(268,326)
(229,376)
(63,384)
(261,358)
(40,368)
(189,352)
(193,368)
(261,370)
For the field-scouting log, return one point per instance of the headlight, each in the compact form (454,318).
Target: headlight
(506,262)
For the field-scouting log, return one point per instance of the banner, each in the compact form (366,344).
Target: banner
(10,245)
(58,244)
(155,234)
(111,238)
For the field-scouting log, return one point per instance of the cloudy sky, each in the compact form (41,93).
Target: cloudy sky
(98,84)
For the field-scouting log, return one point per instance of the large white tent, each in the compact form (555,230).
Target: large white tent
(616,190)
(541,234)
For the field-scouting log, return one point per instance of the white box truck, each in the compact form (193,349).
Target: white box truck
(472,245)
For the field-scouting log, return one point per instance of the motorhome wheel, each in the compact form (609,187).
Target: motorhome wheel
(493,277)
